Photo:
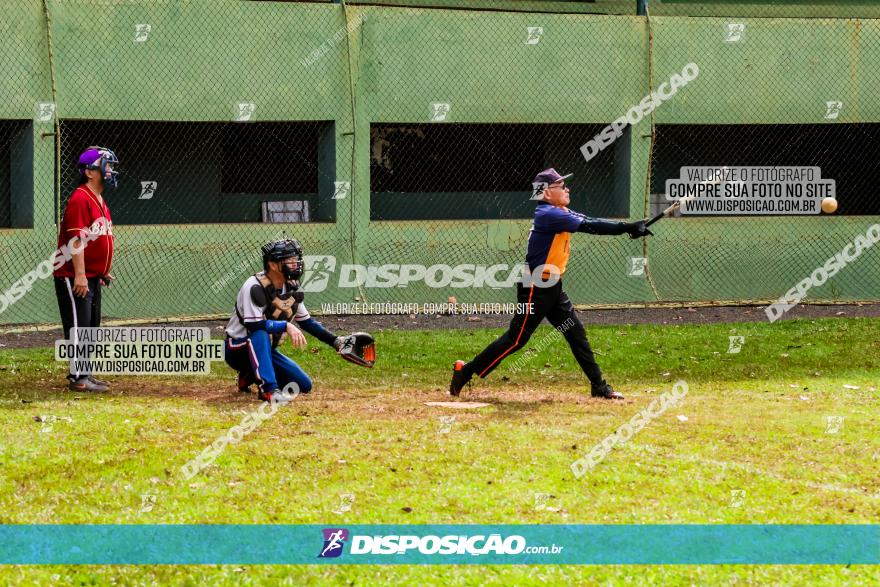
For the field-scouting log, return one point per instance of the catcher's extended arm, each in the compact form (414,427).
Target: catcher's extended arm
(358,348)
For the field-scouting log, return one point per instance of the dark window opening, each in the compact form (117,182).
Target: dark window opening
(269,158)
(485,171)
(844,152)
(16,174)
(210,172)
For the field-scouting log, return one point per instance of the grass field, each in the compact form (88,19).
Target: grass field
(757,446)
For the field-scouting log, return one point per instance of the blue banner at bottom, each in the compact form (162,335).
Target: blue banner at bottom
(440,544)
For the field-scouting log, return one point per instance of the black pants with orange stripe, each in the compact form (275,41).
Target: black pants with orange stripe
(538,303)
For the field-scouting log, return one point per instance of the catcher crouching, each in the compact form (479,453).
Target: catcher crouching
(270,305)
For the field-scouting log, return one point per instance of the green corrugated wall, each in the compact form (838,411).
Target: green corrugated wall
(207,55)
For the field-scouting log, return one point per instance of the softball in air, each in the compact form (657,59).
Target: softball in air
(829,205)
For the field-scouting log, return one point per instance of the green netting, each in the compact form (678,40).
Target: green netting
(386,135)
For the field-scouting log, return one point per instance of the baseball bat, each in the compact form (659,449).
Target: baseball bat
(667,212)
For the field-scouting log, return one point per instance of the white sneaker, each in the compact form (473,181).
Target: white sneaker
(276,396)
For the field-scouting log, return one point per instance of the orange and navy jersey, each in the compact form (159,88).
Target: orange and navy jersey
(86,216)
(550,238)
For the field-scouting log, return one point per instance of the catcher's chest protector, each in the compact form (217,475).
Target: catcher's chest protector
(279,306)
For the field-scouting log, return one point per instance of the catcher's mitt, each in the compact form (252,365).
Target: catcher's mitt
(358,347)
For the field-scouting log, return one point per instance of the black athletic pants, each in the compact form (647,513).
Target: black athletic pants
(78,312)
(546,302)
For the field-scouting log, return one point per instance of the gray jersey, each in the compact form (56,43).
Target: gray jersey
(251,312)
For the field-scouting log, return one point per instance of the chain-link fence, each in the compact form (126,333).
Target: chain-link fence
(384,137)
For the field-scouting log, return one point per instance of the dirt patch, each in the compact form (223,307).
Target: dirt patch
(29,337)
(400,403)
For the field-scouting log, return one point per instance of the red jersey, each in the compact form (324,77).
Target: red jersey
(87,218)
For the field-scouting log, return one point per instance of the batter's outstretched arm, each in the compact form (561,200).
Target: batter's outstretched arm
(603,226)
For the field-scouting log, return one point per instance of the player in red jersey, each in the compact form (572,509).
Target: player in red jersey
(88,228)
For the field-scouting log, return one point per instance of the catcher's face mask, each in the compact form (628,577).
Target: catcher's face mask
(103,160)
(291,268)
(288,254)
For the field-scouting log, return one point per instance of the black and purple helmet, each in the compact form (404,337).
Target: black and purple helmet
(102,159)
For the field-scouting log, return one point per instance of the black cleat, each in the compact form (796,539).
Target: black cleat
(97,381)
(459,378)
(605,391)
(86,384)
